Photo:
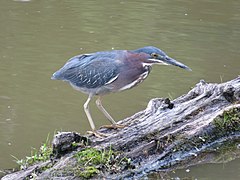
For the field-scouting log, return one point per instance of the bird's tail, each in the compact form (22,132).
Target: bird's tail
(56,76)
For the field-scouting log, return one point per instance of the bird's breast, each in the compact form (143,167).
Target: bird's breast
(136,82)
(134,77)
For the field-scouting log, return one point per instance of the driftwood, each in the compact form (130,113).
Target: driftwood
(192,129)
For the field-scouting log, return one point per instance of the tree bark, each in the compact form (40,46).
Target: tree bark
(167,135)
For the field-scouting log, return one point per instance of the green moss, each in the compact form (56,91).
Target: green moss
(229,121)
(74,144)
(41,155)
(227,152)
(86,172)
(92,156)
(92,161)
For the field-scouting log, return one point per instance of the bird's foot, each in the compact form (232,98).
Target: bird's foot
(98,134)
(113,126)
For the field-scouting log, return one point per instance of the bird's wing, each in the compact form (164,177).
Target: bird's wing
(89,71)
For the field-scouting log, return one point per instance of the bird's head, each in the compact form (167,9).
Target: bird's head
(157,56)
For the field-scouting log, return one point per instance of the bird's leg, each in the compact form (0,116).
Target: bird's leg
(101,108)
(86,109)
(108,116)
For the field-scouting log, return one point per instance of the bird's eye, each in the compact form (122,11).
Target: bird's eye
(154,55)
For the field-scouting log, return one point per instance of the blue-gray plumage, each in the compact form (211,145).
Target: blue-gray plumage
(111,71)
(88,71)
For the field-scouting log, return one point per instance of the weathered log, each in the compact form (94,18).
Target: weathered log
(167,135)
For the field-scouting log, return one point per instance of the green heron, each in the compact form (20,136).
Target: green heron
(100,73)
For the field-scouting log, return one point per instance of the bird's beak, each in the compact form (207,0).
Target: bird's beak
(170,61)
(166,60)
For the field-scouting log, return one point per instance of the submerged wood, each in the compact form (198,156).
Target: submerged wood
(192,129)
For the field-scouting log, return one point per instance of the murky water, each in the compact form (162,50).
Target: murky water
(37,37)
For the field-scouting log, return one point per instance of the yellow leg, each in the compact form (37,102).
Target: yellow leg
(114,125)
(86,109)
(98,134)
(101,108)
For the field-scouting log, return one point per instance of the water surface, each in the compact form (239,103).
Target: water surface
(37,37)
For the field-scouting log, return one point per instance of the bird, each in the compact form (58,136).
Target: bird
(104,72)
